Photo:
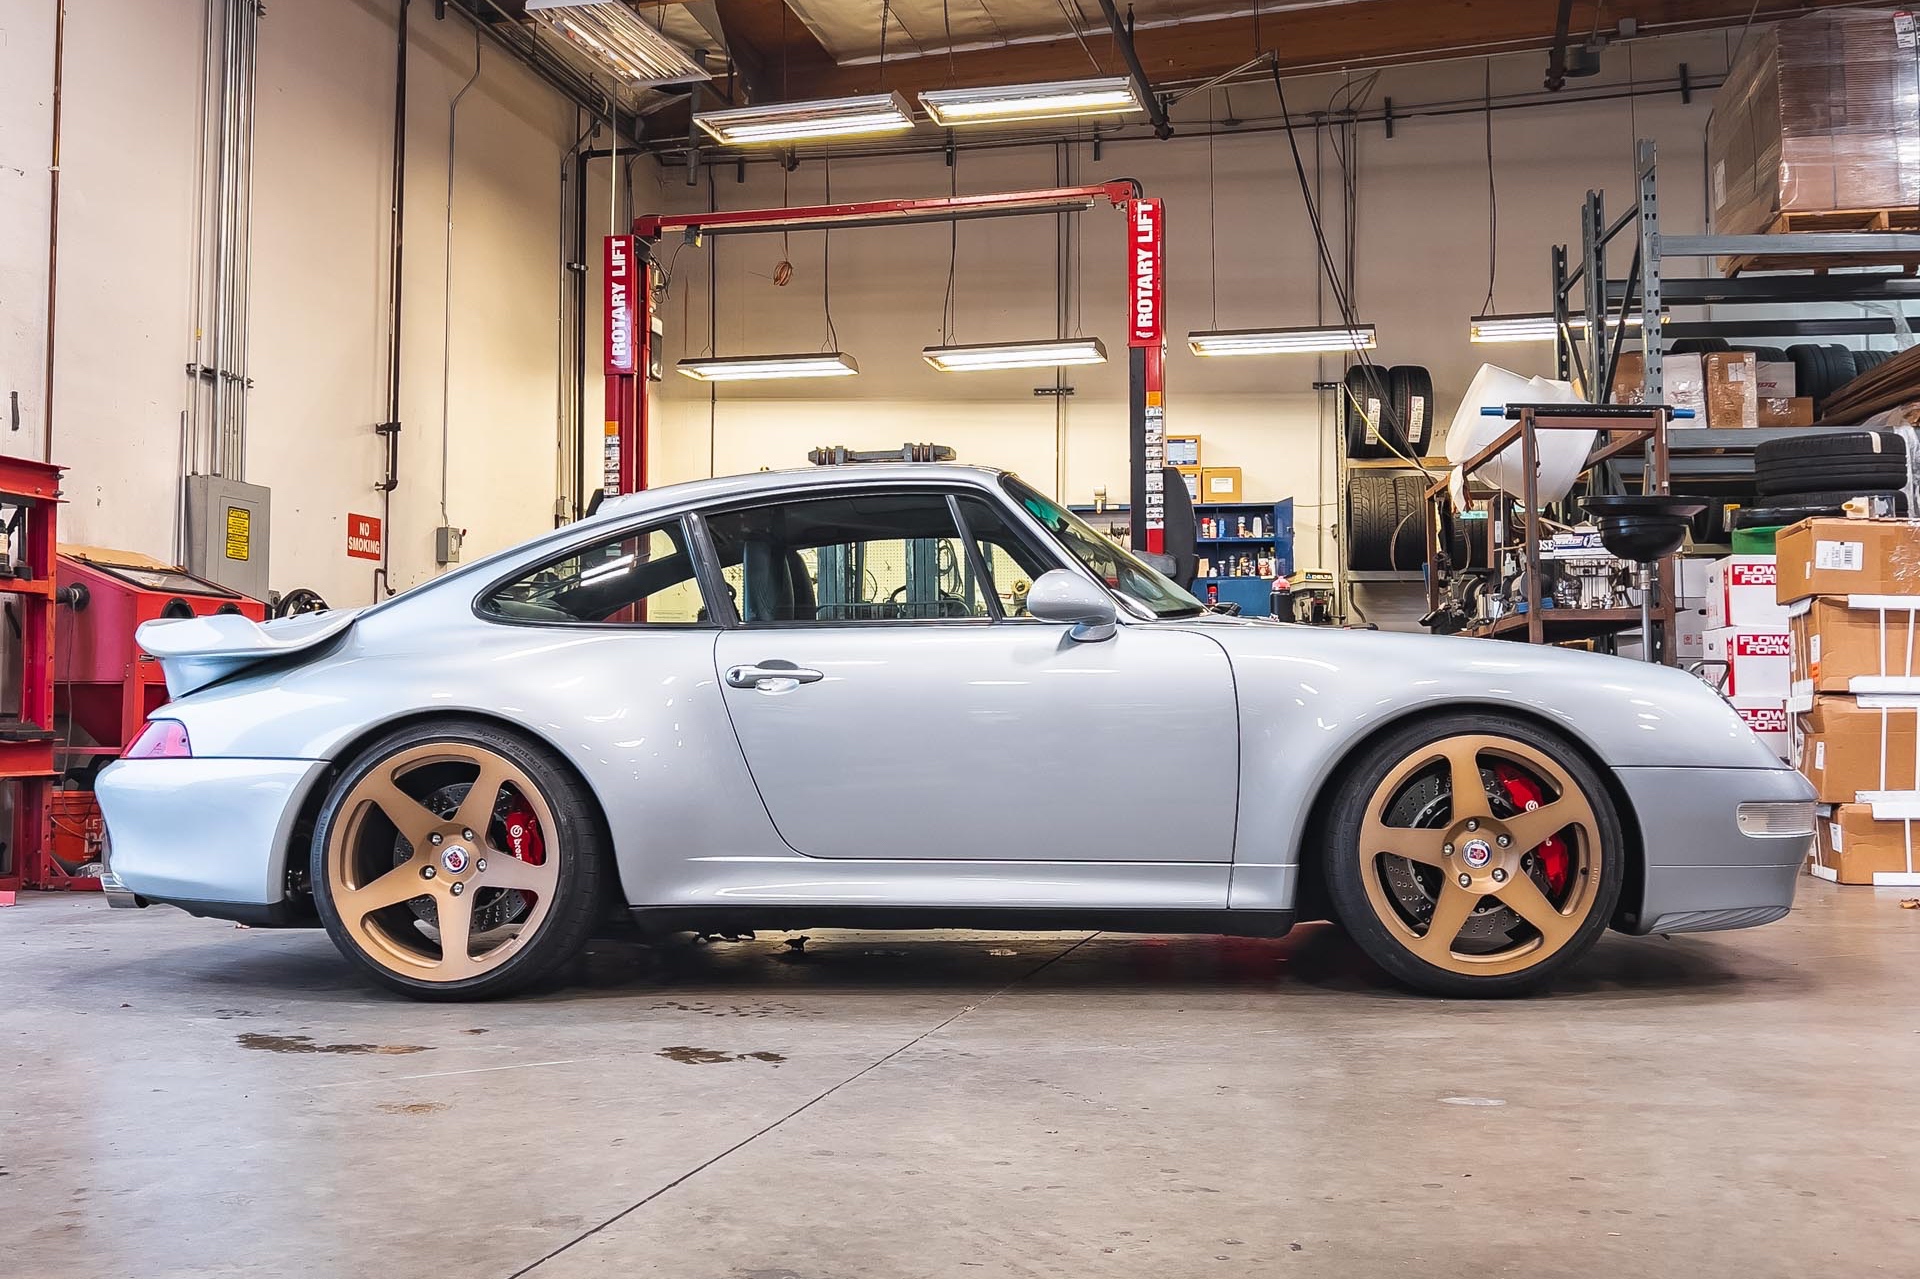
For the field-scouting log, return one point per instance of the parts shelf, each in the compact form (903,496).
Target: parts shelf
(29,496)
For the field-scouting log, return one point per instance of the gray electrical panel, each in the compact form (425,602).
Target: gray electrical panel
(227,533)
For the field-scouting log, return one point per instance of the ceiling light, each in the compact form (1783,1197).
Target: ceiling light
(1319,340)
(1054,100)
(1535,328)
(756,368)
(1015,355)
(800,121)
(617,38)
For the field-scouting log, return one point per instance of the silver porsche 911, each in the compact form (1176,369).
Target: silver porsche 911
(910,696)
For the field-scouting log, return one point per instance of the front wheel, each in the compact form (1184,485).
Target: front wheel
(457,861)
(1474,856)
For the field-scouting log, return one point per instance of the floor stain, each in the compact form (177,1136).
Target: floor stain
(411,1107)
(708,1056)
(304,1044)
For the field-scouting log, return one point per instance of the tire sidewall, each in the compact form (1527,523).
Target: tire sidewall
(1343,872)
(578,838)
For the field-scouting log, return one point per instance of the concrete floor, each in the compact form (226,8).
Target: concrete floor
(188,1098)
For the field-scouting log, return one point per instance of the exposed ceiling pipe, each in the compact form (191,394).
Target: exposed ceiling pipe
(389,430)
(1557,51)
(1123,37)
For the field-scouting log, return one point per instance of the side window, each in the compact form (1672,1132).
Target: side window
(870,557)
(631,579)
(1012,564)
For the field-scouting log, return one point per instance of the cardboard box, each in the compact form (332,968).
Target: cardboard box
(1220,484)
(1757,661)
(1796,410)
(1685,379)
(1732,401)
(1183,451)
(1775,380)
(1848,557)
(1846,745)
(1191,474)
(1852,846)
(1768,718)
(1841,647)
(1740,592)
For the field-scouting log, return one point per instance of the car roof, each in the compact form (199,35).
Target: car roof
(726,488)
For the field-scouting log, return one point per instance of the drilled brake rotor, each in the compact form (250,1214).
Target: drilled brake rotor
(492,907)
(1415,888)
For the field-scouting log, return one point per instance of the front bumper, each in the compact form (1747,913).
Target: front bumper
(1702,871)
(203,833)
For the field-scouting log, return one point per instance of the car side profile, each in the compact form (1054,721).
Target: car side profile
(918,695)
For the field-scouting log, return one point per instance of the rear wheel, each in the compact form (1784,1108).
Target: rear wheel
(456,861)
(1473,856)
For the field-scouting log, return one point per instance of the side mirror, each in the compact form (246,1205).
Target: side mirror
(1060,595)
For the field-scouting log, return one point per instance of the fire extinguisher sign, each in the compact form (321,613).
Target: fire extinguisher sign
(363,537)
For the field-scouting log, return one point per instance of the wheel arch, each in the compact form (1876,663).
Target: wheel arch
(293,869)
(1310,900)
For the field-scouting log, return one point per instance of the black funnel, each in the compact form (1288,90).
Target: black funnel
(1642,527)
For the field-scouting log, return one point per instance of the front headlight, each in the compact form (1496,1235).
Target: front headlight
(1776,818)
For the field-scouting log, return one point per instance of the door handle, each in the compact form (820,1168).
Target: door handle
(771,678)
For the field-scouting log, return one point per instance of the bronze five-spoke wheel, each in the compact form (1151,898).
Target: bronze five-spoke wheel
(1474,855)
(457,861)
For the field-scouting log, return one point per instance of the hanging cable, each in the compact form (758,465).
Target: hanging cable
(826,268)
(1493,201)
(1213,262)
(949,308)
(886,12)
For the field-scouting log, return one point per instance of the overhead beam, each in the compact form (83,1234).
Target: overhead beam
(1371,33)
(1123,37)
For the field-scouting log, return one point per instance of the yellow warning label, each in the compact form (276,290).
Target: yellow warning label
(1153,399)
(239,532)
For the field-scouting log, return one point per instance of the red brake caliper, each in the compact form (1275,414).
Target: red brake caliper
(523,832)
(1556,863)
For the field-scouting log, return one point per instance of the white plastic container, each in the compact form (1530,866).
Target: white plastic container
(1562,453)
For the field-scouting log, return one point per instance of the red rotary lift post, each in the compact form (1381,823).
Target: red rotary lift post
(631,350)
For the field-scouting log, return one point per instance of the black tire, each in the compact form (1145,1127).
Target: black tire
(1698,346)
(1344,867)
(1822,445)
(1766,354)
(1370,521)
(577,844)
(1369,417)
(1866,360)
(1409,548)
(1794,507)
(1811,372)
(1411,389)
(1828,476)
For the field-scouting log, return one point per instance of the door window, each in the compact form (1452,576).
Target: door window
(869,557)
(632,579)
(1012,565)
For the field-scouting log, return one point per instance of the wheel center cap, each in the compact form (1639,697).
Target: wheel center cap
(1475,853)
(455,859)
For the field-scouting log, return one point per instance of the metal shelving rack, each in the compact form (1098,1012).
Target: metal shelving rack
(1646,291)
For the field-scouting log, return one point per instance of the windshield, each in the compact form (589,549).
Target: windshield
(1112,564)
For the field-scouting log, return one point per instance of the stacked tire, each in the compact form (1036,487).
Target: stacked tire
(1387,413)
(1808,475)
(1385,525)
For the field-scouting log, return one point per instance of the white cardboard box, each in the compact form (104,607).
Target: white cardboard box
(1757,658)
(1740,592)
(1768,718)
(1775,380)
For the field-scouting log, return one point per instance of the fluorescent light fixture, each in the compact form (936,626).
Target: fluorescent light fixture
(760,368)
(1015,355)
(783,122)
(618,39)
(1534,328)
(608,568)
(1010,103)
(1310,341)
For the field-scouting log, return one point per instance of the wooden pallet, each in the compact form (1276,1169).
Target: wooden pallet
(1905,218)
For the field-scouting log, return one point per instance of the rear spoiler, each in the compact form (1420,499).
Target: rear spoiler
(195,651)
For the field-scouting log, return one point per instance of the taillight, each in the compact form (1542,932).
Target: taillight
(161,739)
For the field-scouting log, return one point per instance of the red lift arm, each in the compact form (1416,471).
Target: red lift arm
(630,281)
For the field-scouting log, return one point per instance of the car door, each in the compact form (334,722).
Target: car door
(889,707)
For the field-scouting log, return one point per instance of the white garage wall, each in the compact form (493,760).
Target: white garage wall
(1422,231)
(320,219)
(26,128)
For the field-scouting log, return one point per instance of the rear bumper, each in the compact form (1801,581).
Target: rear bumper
(202,832)
(1702,871)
